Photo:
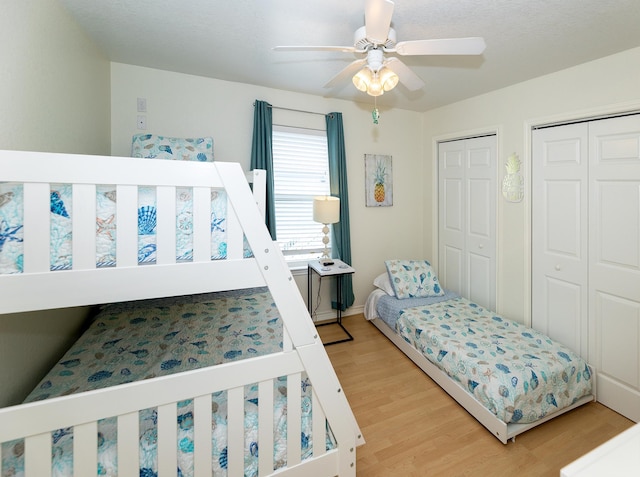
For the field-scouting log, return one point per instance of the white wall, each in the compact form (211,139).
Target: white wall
(54,96)
(599,87)
(54,82)
(184,106)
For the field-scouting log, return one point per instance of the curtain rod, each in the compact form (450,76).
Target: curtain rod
(298,127)
(294,110)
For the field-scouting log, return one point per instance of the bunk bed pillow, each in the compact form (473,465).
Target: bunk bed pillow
(383,283)
(200,149)
(413,279)
(174,148)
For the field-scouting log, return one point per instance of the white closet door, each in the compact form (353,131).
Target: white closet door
(467,218)
(614,271)
(451,217)
(586,249)
(481,220)
(559,241)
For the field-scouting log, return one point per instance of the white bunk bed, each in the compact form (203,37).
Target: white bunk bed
(37,287)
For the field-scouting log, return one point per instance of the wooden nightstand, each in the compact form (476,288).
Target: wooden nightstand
(339,269)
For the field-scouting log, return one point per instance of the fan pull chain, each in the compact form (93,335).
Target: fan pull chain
(375,113)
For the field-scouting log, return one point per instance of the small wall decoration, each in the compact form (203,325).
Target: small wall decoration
(513,182)
(378,180)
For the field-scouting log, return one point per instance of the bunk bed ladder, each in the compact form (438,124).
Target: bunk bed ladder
(296,321)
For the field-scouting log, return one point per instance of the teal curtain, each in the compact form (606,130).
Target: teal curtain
(262,156)
(340,235)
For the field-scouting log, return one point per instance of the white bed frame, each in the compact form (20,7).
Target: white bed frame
(38,288)
(498,428)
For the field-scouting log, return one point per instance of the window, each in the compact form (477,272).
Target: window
(300,172)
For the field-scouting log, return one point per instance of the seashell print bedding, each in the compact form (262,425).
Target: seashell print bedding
(61,223)
(128,342)
(519,374)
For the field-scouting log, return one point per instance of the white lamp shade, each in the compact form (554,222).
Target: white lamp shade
(388,79)
(375,87)
(326,209)
(362,79)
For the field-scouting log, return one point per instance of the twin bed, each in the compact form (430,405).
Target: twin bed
(509,377)
(201,357)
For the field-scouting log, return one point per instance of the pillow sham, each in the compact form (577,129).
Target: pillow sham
(413,279)
(175,148)
(382,282)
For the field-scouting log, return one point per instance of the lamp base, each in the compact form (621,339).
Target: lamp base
(325,259)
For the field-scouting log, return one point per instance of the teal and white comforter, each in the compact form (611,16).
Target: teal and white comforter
(129,342)
(517,373)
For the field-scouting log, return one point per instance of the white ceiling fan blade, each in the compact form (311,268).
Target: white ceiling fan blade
(347,72)
(445,46)
(377,20)
(407,77)
(345,49)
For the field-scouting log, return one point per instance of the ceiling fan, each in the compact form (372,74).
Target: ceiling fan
(376,72)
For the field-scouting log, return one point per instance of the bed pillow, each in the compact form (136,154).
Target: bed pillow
(175,148)
(382,282)
(413,279)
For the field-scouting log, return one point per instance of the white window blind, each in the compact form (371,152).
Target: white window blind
(300,172)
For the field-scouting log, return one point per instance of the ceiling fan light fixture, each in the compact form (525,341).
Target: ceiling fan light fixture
(375,78)
(375,83)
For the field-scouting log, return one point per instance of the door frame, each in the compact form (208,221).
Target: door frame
(601,112)
(497,131)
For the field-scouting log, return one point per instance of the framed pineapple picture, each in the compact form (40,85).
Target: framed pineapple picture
(378,178)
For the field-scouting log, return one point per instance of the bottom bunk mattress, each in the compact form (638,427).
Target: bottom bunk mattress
(519,374)
(128,342)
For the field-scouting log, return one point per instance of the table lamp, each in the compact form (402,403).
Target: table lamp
(326,210)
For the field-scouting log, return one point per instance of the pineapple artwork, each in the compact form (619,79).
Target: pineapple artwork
(378,190)
(378,177)
(513,182)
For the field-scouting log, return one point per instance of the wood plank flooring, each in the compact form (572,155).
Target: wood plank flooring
(414,429)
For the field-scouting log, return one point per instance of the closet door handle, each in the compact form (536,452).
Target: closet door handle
(481,246)
(558,268)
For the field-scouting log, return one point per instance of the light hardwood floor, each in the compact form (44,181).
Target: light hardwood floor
(414,429)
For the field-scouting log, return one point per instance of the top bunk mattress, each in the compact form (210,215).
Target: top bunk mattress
(519,374)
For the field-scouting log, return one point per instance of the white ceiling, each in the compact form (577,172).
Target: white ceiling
(233,40)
